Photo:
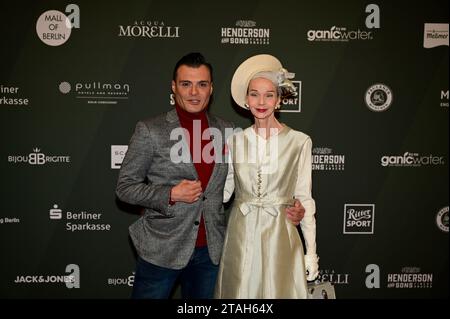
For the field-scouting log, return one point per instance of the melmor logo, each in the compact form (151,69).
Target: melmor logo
(409,159)
(38,158)
(323,159)
(442,219)
(81,221)
(97,92)
(293,102)
(378,97)
(435,34)
(9,96)
(359,218)
(149,29)
(71,279)
(245,32)
(54,28)
(117,154)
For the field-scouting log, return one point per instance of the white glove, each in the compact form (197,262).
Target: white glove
(311,266)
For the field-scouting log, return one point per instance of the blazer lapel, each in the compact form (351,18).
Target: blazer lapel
(213,123)
(173,123)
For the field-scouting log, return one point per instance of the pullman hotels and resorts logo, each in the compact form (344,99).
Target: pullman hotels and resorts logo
(96,92)
(324,159)
(81,221)
(54,28)
(10,96)
(359,218)
(435,34)
(39,158)
(149,29)
(71,279)
(378,97)
(245,32)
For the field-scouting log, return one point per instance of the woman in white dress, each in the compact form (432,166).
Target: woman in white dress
(270,166)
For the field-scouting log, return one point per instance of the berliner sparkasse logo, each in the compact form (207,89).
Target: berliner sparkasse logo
(378,97)
(359,218)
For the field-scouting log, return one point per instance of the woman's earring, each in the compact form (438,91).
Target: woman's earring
(277,106)
(246,106)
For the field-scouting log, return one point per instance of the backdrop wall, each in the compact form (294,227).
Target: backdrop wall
(373,95)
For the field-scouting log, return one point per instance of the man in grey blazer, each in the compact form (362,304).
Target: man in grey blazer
(172,171)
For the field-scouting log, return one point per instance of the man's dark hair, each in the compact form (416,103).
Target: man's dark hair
(193,60)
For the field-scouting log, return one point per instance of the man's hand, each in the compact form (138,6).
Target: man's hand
(186,191)
(295,213)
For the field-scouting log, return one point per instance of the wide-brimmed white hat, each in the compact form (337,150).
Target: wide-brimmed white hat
(247,70)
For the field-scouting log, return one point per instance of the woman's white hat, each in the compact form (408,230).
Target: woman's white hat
(252,66)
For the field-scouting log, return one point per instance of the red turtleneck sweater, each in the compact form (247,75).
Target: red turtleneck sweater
(192,122)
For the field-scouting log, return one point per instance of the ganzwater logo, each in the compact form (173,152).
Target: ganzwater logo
(442,219)
(410,278)
(359,218)
(435,34)
(38,158)
(245,32)
(338,34)
(409,159)
(117,154)
(378,97)
(323,159)
(71,279)
(293,103)
(126,281)
(333,277)
(82,221)
(9,96)
(149,29)
(444,98)
(97,92)
(54,28)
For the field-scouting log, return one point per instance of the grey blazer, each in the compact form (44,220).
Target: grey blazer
(165,235)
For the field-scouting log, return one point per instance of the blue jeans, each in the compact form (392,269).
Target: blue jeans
(198,278)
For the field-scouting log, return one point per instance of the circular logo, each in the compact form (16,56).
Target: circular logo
(378,97)
(442,219)
(53,27)
(65,87)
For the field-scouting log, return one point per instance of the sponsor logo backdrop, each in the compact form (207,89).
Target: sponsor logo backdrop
(372,85)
